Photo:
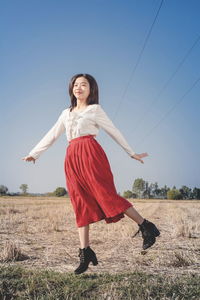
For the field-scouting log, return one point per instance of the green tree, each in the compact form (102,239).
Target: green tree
(128,194)
(155,190)
(139,187)
(24,188)
(186,192)
(174,194)
(196,193)
(147,190)
(163,191)
(60,191)
(3,190)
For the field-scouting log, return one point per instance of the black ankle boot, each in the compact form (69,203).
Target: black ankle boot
(86,255)
(149,233)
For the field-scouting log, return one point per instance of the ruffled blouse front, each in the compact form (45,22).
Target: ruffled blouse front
(80,123)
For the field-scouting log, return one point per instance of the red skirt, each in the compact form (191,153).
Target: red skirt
(90,183)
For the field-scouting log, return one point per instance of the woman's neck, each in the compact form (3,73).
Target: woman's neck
(80,105)
(80,108)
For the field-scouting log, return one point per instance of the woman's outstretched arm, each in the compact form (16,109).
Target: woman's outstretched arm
(105,122)
(50,137)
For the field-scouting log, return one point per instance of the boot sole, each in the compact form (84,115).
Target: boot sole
(94,262)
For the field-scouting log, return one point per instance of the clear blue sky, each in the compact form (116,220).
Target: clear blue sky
(44,43)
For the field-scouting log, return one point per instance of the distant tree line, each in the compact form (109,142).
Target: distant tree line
(140,189)
(59,192)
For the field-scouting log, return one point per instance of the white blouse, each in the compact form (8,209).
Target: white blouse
(80,123)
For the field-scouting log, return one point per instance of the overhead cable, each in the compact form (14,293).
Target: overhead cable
(139,57)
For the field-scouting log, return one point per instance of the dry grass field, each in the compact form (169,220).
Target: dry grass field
(41,233)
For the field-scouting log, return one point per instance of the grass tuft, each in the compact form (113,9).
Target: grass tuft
(12,252)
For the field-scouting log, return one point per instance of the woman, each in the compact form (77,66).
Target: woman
(89,178)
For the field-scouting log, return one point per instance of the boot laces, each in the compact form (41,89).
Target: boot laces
(147,233)
(82,256)
(136,233)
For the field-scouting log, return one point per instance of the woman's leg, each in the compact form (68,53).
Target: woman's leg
(86,254)
(132,213)
(84,236)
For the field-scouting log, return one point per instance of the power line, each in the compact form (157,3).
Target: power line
(169,111)
(167,82)
(139,57)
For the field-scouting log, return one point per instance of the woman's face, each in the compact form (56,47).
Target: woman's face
(81,89)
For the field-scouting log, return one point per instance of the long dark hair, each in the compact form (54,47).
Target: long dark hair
(93,97)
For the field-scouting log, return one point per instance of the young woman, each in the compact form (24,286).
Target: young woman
(89,178)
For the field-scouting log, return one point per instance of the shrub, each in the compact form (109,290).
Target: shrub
(60,191)
(174,194)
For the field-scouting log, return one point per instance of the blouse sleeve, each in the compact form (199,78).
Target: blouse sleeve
(104,122)
(50,137)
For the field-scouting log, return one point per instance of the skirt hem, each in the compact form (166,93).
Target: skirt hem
(108,220)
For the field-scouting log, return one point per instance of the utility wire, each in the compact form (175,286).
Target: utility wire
(169,111)
(167,83)
(139,58)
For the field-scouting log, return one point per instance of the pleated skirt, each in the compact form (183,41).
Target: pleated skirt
(90,183)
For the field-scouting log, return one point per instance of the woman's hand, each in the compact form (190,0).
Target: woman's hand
(29,158)
(139,156)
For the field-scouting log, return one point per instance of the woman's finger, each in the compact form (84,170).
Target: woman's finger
(28,158)
(143,155)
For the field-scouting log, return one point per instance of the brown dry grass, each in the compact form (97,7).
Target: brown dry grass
(41,232)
